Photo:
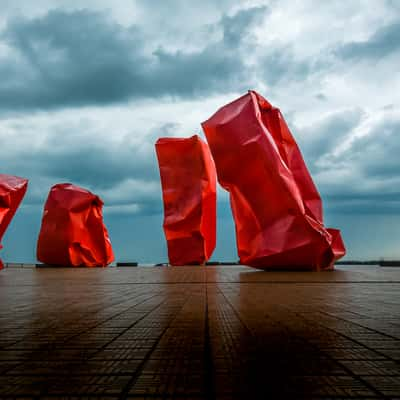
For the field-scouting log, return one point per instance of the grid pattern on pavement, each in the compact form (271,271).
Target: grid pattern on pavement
(199,333)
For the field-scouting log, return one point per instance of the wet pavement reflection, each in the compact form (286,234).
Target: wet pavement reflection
(199,333)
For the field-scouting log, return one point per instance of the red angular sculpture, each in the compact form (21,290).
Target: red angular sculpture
(275,204)
(12,191)
(188,180)
(72,231)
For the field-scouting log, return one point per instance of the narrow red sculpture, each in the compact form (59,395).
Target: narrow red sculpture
(188,182)
(12,191)
(275,204)
(72,232)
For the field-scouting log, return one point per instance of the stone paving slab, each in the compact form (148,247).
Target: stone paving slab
(199,333)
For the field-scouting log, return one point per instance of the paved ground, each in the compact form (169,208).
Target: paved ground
(195,332)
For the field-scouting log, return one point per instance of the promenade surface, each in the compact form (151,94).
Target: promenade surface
(199,332)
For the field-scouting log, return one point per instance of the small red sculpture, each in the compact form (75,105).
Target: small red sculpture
(188,182)
(275,204)
(12,191)
(72,231)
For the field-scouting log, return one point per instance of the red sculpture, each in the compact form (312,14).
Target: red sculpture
(12,191)
(188,182)
(275,204)
(72,231)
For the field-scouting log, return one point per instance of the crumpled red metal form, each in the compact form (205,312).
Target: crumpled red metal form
(72,232)
(188,180)
(12,191)
(275,204)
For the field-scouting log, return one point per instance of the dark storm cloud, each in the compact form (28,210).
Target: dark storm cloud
(234,26)
(326,135)
(70,58)
(382,147)
(382,43)
(124,172)
(89,161)
(280,65)
(370,164)
(82,57)
(98,163)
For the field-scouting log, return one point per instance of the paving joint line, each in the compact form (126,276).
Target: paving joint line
(44,393)
(349,371)
(125,392)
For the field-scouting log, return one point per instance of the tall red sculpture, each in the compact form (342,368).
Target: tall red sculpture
(72,231)
(188,182)
(12,191)
(275,204)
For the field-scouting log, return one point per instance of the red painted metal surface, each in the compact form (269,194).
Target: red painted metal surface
(276,206)
(12,191)
(188,182)
(72,231)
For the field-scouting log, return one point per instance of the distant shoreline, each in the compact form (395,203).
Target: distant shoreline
(382,263)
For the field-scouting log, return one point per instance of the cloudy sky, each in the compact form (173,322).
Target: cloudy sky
(86,88)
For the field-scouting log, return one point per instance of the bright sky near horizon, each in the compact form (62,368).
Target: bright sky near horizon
(87,87)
